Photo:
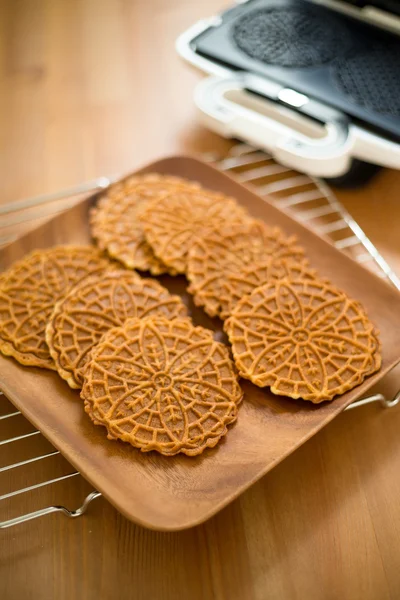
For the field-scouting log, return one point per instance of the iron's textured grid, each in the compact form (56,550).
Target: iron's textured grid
(371,79)
(291,37)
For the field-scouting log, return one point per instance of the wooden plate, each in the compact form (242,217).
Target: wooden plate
(179,492)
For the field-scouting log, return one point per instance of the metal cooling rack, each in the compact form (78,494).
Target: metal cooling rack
(308,199)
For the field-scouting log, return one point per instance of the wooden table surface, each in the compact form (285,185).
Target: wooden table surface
(94,87)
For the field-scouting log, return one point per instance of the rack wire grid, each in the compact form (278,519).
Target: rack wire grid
(309,200)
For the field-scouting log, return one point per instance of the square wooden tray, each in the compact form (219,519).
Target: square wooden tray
(172,493)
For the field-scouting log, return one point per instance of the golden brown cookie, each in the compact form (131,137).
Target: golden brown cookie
(98,304)
(304,339)
(114,220)
(229,249)
(173,222)
(29,291)
(162,385)
(243,282)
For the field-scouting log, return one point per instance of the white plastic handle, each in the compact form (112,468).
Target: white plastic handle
(326,156)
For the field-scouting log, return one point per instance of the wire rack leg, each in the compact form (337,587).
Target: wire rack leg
(52,509)
(376,398)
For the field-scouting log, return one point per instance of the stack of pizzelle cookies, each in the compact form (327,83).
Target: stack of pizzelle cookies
(146,372)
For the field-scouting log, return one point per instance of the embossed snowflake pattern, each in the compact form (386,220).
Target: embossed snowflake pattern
(97,305)
(228,250)
(115,224)
(29,291)
(162,385)
(243,282)
(303,339)
(172,223)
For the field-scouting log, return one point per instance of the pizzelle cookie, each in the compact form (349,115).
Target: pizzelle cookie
(173,222)
(162,385)
(239,284)
(228,250)
(29,291)
(114,220)
(304,339)
(98,304)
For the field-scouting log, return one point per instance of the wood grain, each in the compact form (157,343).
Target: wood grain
(326,522)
